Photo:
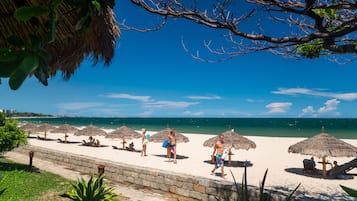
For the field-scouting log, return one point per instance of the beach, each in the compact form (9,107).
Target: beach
(193,158)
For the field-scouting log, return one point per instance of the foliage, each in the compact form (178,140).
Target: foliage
(25,58)
(243,192)
(350,191)
(2,119)
(249,27)
(22,184)
(93,190)
(310,50)
(11,136)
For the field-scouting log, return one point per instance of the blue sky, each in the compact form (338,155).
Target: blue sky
(152,76)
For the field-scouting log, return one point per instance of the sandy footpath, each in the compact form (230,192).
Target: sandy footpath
(193,158)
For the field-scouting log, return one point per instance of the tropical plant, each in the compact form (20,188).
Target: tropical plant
(243,192)
(349,191)
(21,58)
(11,136)
(93,190)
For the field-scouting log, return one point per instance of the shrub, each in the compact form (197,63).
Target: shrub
(11,136)
(243,193)
(93,190)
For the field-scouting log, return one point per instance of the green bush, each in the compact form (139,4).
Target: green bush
(93,190)
(11,136)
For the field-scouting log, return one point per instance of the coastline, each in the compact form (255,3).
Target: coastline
(193,158)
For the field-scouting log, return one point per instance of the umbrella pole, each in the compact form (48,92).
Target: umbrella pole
(230,157)
(124,143)
(324,166)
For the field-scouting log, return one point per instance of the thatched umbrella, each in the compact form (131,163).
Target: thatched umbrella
(44,128)
(123,133)
(71,45)
(323,145)
(90,131)
(162,135)
(231,140)
(65,128)
(29,127)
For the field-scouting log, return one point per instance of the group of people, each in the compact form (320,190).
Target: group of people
(91,142)
(171,147)
(217,155)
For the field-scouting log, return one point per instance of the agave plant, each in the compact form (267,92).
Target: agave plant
(243,193)
(93,190)
(350,191)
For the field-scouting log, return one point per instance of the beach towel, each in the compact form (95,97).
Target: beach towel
(165,144)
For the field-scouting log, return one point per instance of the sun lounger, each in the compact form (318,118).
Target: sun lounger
(342,169)
(309,166)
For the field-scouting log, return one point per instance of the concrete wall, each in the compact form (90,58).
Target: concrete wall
(199,188)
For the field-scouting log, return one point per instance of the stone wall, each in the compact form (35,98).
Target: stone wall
(199,188)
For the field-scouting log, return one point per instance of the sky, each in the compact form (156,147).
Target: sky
(151,75)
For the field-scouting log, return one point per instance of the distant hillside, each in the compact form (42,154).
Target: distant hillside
(26,114)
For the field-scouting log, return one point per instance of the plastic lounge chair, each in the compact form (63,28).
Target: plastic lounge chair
(342,169)
(309,166)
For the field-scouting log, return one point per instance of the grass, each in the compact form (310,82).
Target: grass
(23,185)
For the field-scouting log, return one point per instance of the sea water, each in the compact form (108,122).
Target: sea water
(345,128)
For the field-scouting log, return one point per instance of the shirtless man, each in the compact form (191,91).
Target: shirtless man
(218,152)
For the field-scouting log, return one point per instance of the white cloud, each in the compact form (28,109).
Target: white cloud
(128,96)
(253,100)
(170,104)
(78,105)
(317,92)
(330,106)
(193,113)
(278,107)
(214,97)
(308,109)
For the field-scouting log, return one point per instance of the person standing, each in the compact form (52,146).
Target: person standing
(218,150)
(144,141)
(172,145)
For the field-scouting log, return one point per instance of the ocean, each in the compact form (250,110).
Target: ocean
(343,128)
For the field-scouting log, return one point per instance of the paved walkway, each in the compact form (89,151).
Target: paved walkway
(130,192)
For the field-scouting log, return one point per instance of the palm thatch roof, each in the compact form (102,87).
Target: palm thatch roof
(162,135)
(232,139)
(71,46)
(65,128)
(45,127)
(322,145)
(124,133)
(29,127)
(90,131)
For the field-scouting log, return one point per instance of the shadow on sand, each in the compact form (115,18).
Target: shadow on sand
(300,171)
(233,163)
(178,156)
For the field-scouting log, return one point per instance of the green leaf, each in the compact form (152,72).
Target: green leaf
(27,66)
(36,42)
(350,191)
(41,72)
(96,4)
(15,41)
(52,27)
(25,13)
(7,55)
(8,68)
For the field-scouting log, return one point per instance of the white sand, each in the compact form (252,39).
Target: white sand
(271,153)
